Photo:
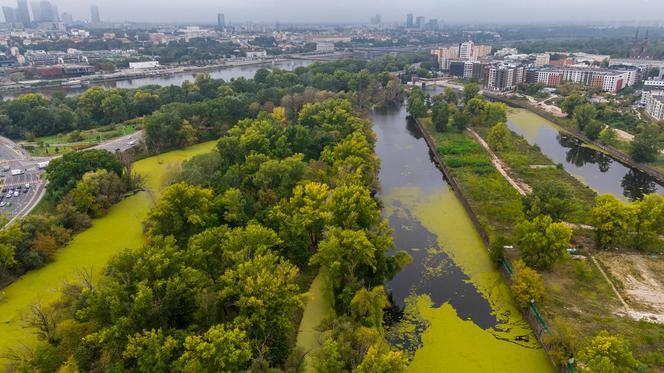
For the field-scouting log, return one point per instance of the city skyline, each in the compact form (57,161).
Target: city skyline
(341,11)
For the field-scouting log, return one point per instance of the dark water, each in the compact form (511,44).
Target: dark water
(405,162)
(595,169)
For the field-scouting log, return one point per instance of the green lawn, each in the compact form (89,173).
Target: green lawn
(121,228)
(67,142)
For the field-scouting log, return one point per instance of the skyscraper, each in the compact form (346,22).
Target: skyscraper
(94,14)
(9,13)
(221,21)
(67,18)
(419,22)
(409,21)
(23,13)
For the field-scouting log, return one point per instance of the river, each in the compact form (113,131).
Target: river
(594,168)
(458,311)
(226,73)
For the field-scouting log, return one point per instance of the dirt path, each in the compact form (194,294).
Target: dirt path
(643,287)
(521,187)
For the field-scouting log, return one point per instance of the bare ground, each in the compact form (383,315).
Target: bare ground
(640,282)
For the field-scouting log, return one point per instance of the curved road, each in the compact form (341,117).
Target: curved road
(13,156)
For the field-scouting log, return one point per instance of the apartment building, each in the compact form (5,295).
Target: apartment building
(655,107)
(604,79)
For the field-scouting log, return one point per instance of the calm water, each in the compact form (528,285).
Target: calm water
(462,304)
(597,170)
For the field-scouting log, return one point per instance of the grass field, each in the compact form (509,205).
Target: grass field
(90,250)
(66,142)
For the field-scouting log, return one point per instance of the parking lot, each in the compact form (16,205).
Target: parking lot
(25,193)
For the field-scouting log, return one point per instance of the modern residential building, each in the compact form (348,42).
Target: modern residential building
(67,18)
(542,59)
(376,20)
(444,55)
(604,79)
(655,107)
(466,50)
(94,14)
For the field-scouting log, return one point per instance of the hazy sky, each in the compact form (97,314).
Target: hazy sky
(452,11)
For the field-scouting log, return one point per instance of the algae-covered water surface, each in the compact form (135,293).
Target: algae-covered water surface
(457,311)
(88,251)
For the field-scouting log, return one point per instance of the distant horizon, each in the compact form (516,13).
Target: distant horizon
(473,12)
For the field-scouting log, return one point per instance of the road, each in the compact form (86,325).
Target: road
(14,157)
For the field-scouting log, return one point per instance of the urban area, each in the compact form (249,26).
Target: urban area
(412,193)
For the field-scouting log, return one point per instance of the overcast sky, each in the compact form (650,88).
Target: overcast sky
(451,11)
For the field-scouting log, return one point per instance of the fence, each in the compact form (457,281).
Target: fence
(531,314)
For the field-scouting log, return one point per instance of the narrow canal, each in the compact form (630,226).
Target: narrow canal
(458,314)
(594,168)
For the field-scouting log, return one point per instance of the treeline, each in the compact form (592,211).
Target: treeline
(220,103)
(589,119)
(82,186)
(219,280)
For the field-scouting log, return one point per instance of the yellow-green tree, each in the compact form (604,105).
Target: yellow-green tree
(542,242)
(527,285)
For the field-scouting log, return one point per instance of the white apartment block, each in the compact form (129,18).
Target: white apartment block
(655,107)
(466,50)
(468,69)
(542,59)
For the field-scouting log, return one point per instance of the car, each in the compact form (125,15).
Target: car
(25,190)
(9,204)
(9,195)
(3,204)
(16,193)
(4,190)
(27,186)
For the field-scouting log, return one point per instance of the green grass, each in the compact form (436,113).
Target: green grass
(121,228)
(318,307)
(519,155)
(64,143)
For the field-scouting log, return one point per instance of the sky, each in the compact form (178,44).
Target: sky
(450,11)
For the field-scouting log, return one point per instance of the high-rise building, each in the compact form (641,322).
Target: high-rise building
(466,50)
(433,24)
(23,12)
(67,18)
(94,14)
(376,20)
(542,59)
(9,13)
(44,11)
(409,21)
(419,22)
(221,21)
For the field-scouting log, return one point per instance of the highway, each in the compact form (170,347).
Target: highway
(14,157)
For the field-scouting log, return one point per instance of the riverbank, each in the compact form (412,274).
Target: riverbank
(89,251)
(576,291)
(613,152)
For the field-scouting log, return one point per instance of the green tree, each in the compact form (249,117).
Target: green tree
(647,143)
(645,221)
(64,173)
(584,115)
(345,253)
(461,120)
(499,136)
(550,198)
(366,307)
(114,109)
(416,103)
(494,113)
(220,349)
(608,219)
(470,91)
(527,285)
(607,353)
(440,116)
(571,102)
(96,192)
(152,350)
(608,136)
(450,96)
(381,359)
(182,211)
(542,242)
